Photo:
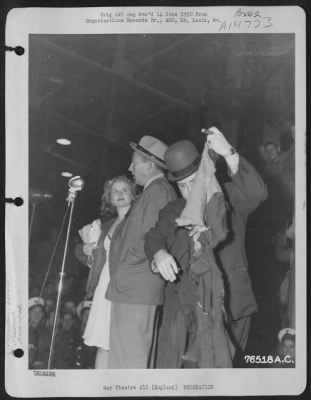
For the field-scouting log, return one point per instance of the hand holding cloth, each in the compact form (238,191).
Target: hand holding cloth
(206,207)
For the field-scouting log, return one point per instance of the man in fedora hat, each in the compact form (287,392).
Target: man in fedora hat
(167,248)
(134,290)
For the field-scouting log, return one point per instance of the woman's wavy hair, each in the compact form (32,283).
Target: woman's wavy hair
(106,208)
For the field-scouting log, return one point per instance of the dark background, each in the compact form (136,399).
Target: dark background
(6,5)
(103,91)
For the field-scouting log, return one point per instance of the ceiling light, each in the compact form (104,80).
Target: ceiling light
(66,174)
(63,141)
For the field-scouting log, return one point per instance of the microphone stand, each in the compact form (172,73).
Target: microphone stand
(33,213)
(71,201)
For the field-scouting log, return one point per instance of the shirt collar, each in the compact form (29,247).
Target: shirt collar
(160,175)
(188,179)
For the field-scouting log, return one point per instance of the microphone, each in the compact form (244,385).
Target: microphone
(76,183)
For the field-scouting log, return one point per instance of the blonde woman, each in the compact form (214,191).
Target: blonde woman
(119,193)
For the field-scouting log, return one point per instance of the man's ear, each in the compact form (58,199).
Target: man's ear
(151,165)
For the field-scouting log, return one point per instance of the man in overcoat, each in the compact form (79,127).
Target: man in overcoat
(134,290)
(167,249)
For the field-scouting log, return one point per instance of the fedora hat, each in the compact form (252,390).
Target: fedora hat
(151,148)
(182,159)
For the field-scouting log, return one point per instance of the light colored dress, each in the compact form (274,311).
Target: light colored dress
(98,325)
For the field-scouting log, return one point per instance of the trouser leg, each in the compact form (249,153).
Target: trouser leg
(239,331)
(131,335)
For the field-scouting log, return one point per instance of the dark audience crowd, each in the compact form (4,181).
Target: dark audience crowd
(270,244)
(69,350)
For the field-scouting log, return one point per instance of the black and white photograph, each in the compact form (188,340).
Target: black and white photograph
(160,154)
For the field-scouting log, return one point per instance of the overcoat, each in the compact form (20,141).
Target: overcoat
(131,279)
(97,261)
(243,194)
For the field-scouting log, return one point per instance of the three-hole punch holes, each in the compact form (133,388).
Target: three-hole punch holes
(18,353)
(18,201)
(19,50)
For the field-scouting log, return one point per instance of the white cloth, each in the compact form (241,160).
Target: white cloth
(98,325)
(205,185)
(90,233)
